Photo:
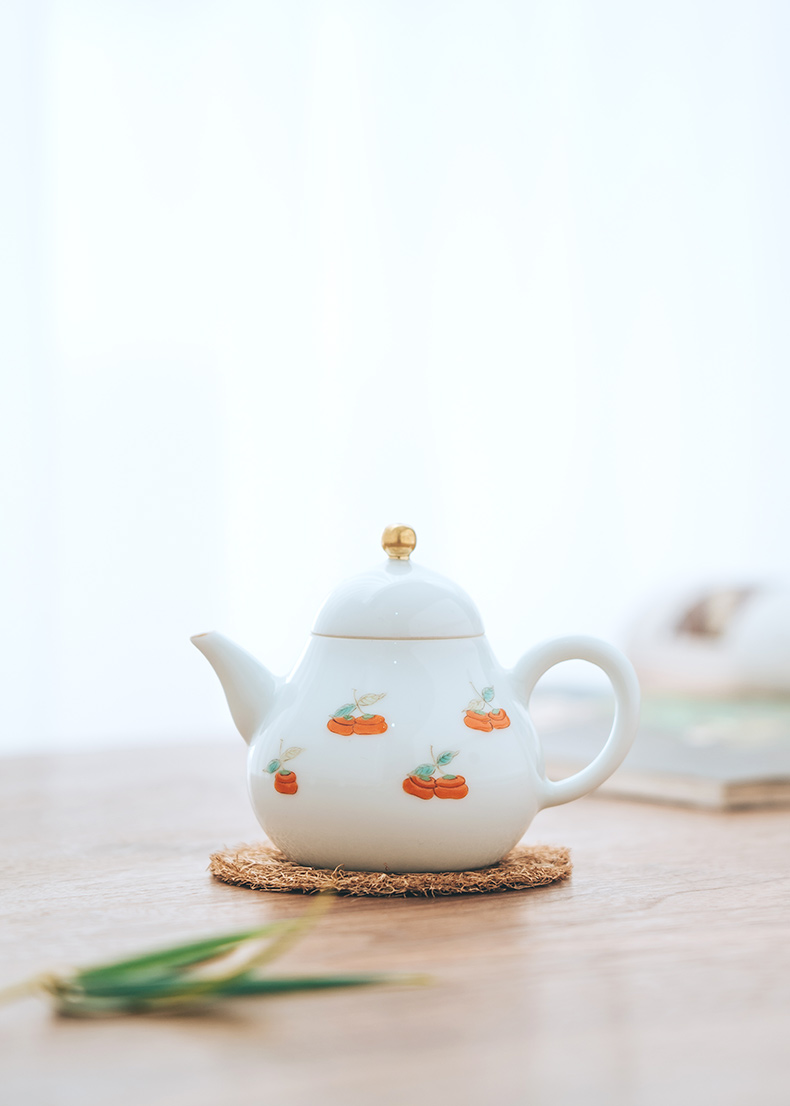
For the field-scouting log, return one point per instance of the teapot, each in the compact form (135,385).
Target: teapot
(398,743)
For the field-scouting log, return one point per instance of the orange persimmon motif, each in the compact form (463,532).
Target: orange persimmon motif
(285,782)
(420,787)
(424,784)
(340,724)
(476,717)
(477,721)
(284,778)
(346,720)
(451,787)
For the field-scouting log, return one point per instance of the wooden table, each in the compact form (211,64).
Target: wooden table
(659,974)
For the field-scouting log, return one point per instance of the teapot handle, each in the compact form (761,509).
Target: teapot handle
(620,671)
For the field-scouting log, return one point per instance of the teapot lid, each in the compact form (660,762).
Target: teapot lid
(398,599)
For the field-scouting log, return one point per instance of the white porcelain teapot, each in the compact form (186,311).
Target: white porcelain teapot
(398,743)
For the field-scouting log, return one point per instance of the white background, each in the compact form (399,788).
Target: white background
(276,274)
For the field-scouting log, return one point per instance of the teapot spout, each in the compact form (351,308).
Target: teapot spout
(248,685)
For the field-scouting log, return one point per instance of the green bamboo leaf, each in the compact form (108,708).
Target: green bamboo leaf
(275,985)
(173,978)
(164,968)
(180,956)
(488,694)
(71,1003)
(155,990)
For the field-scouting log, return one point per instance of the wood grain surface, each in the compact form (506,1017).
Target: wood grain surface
(660,973)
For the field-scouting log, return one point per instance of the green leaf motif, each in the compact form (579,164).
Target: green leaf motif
(369,700)
(488,694)
(286,772)
(449,777)
(345,711)
(445,758)
(294,751)
(272,766)
(424,771)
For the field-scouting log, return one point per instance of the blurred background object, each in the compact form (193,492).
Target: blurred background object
(726,754)
(726,642)
(714,667)
(515,272)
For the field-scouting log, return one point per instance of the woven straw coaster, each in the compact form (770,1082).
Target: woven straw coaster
(264,868)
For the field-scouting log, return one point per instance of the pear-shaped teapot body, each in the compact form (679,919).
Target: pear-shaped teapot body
(396,756)
(398,743)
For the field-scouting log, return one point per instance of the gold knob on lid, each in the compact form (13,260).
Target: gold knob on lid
(398,542)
